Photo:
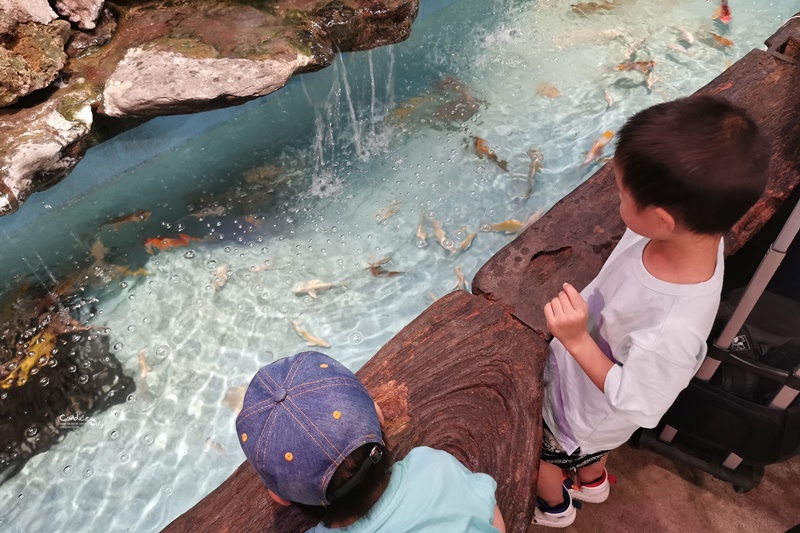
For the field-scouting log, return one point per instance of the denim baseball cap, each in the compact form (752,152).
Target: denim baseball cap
(301,417)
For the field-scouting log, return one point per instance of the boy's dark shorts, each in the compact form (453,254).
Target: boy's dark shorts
(553,453)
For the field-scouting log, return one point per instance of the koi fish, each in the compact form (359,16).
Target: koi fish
(607,96)
(312,287)
(686,35)
(211,444)
(376,269)
(421,233)
(536,164)
(680,49)
(465,244)
(220,277)
(217,211)
(388,211)
(642,66)
(310,339)
(650,79)
(587,8)
(99,252)
(234,398)
(507,226)
(136,216)
(160,243)
(723,12)
(720,40)
(634,47)
(483,151)
(548,90)
(597,148)
(144,368)
(461,280)
(441,236)
(124,272)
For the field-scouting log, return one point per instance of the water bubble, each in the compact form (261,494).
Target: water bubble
(42,360)
(211,264)
(448,244)
(68,470)
(124,458)
(117,346)
(173,279)
(72,368)
(31,431)
(132,397)
(486,227)
(162,352)
(21,496)
(114,434)
(88,472)
(356,337)
(189,254)
(44,382)
(83,379)
(148,439)
(123,284)
(284,308)
(167,489)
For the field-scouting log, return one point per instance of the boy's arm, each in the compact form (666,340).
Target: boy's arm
(567,318)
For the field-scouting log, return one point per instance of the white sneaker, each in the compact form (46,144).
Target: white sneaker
(549,519)
(597,492)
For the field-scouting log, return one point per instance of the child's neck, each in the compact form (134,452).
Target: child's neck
(683,258)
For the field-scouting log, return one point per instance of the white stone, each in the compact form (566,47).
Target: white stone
(40,149)
(82,12)
(150,82)
(29,10)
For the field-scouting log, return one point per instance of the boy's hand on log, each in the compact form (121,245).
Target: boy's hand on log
(567,317)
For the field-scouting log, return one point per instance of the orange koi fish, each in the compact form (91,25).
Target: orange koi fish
(642,66)
(720,40)
(597,148)
(160,243)
(483,151)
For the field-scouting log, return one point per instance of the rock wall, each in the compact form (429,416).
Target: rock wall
(144,58)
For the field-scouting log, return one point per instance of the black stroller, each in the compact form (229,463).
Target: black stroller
(740,411)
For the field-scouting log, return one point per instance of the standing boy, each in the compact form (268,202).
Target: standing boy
(313,433)
(625,346)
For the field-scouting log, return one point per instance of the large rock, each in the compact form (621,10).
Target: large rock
(84,13)
(29,10)
(32,60)
(162,83)
(47,140)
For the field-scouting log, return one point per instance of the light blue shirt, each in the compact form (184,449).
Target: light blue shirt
(429,492)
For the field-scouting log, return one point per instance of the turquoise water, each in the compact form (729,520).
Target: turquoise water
(315,183)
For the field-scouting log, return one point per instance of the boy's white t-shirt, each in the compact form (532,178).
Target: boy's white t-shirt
(656,334)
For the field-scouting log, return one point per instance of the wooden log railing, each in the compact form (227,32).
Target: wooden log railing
(465,376)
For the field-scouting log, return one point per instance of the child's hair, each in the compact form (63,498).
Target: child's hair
(357,502)
(701,158)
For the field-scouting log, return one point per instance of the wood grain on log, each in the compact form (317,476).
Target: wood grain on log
(463,377)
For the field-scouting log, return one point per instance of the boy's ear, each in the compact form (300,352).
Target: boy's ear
(277,499)
(378,410)
(665,219)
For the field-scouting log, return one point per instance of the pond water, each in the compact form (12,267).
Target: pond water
(327,180)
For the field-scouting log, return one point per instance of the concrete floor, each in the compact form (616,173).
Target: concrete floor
(654,494)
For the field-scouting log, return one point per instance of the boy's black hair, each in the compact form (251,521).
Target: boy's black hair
(701,158)
(359,501)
